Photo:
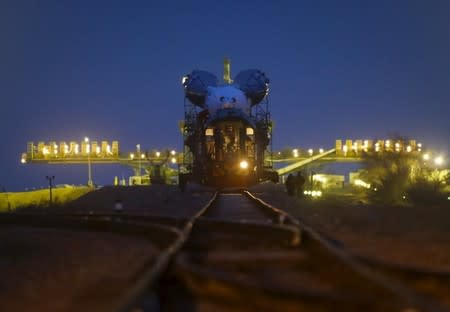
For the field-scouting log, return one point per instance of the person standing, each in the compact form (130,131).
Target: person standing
(290,185)
(299,183)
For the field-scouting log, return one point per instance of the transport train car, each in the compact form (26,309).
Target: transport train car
(227,129)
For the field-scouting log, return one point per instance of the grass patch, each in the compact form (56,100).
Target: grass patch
(40,197)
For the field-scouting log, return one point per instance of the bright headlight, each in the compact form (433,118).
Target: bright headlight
(243,164)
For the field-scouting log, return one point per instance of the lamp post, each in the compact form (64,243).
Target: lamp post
(138,147)
(88,151)
(50,184)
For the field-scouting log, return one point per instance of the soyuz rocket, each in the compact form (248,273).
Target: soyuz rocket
(247,89)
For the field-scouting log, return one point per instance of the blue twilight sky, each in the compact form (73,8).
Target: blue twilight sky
(112,70)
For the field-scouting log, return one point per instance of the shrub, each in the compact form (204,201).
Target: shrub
(398,178)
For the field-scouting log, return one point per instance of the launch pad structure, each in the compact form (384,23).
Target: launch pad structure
(149,166)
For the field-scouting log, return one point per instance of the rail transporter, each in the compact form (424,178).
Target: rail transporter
(227,129)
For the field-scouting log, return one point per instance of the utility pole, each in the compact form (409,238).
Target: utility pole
(50,184)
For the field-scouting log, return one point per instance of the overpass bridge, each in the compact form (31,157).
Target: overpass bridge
(152,161)
(303,162)
(343,151)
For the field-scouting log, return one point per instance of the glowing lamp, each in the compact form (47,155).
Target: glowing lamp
(243,164)
(439,160)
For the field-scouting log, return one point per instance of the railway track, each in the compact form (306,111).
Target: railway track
(239,253)
(245,254)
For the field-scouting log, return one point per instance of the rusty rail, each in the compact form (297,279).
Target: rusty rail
(152,275)
(416,300)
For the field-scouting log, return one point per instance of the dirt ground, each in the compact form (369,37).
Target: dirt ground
(45,268)
(409,235)
(166,200)
(64,270)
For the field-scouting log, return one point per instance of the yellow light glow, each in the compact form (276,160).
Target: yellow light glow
(173,152)
(310,151)
(66,149)
(426,156)
(419,144)
(142,156)
(243,164)
(360,182)
(97,150)
(131,155)
(86,139)
(345,149)
(45,150)
(108,149)
(321,150)
(320,178)
(409,149)
(23,160)
(158,154)
(249,131)
(439,160)
(313,193)
(173,160)
(77,149)
(209,132)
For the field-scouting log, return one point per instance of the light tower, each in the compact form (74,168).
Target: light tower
(88,151)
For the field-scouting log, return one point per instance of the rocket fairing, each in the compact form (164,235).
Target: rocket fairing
(249,88)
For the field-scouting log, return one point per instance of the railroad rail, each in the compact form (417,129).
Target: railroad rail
(273,261)
(239,252)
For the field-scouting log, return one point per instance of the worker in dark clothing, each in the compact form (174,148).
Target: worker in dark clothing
(290,185)
(299,183)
